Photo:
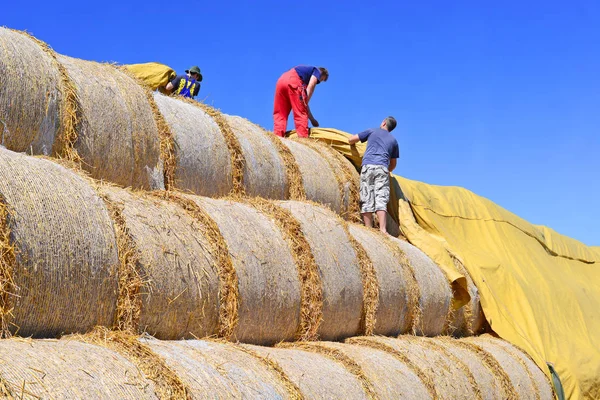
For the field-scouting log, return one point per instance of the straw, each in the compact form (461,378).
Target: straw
(238,161)
(517,353)
(492,365)
(369,281)
(419,372)
(166,137)
(338,356)
(7,265)
(433,345)
(228,280)
(129,301)
(64,145)
(414,291)
(154,367)
(296,189)
(292,389)
(344,174)
(311,307)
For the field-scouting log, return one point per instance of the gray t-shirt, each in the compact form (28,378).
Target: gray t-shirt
(381,147)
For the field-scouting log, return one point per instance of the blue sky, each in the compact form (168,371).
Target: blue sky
(501,99)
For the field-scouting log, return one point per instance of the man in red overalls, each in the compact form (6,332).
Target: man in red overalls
(293,92)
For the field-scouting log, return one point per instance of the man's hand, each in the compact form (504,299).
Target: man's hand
(353,139)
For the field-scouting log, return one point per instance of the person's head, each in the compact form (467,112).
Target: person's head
(388,124)
(324,74)
(194,73)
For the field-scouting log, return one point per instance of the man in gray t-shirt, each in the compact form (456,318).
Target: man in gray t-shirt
(378,162)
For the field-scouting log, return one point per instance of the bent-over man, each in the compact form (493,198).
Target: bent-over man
(186,85)
(293,92)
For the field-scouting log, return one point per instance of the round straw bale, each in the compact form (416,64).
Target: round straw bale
(268,284)
(66,251)
(347,178)
(450,380)
(383,375)
(320,182)
(203,160)
(519,373)
(539,379)
(210,368)
(435,292)
(29,94)
(393,314)
(117,139)
(486,379)
(69,369)
(317,376)
(264,172)
(338,267)
(180,295)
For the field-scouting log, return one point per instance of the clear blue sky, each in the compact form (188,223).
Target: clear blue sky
(503,100)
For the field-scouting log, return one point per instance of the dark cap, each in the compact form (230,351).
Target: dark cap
(194,70)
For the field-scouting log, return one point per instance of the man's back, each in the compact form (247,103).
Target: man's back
(381,147)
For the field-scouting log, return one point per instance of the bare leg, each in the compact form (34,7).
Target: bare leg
(368,219)
(381,216)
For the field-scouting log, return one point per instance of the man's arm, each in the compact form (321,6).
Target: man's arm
(312,83)
(353,139)
(362,137)
(172,85)
(392,164)
(314,122)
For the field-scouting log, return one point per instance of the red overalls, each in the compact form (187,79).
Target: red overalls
(290,94)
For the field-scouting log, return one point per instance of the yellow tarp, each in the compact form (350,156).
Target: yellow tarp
(154,75)
(539,290)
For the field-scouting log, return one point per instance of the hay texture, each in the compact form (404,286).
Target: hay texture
(203,159)
(209,368)
(384,376)
(490,378)
(65,246)
(435,294)
(268,283)
(264,171)
(69,369)
(448,378)
(316,375)
(395,284)
(30,99)
(345,174)
(107,364)
(311,307)
(292,170)
(339,269)
(117,137)
(527,380)
(319,179)
(179,296)
(539,388)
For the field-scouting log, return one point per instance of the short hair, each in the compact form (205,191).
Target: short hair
(324,72)
(390,123)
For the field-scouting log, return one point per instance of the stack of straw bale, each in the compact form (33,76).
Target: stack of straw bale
(100,116)
(108,365)
(177,265)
